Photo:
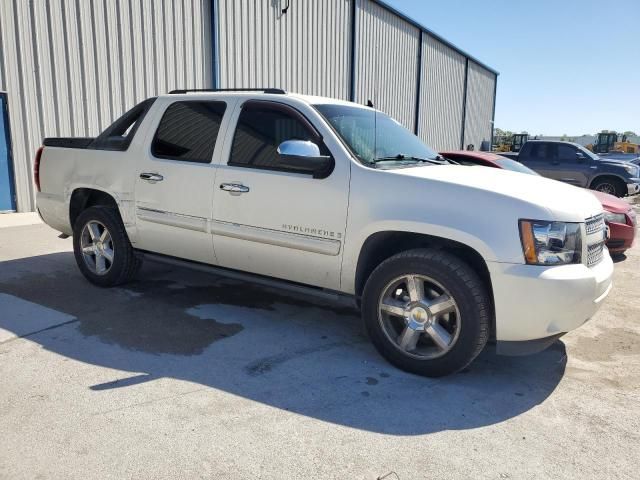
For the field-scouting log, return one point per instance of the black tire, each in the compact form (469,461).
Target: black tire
(461,282)
(125,262)
(610,185)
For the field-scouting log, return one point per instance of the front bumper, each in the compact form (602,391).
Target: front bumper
(633,188)
(533,303)
(621,236)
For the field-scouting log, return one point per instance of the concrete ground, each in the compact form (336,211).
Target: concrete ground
(186,375)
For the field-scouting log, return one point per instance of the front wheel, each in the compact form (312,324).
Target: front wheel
(427,312)
(102,248)
(612,186)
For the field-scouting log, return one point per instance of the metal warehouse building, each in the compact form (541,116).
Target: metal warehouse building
(70,67)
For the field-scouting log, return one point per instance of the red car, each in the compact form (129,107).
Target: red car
(619,215)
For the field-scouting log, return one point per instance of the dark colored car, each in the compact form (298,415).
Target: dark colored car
(574,164)
(620,216)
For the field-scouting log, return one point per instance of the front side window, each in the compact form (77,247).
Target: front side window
(188,131)
(587,153)
(261,128)
(374,137)
(566,153)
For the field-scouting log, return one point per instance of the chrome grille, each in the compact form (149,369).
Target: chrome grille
(595,224)
(595,230)
(594,253)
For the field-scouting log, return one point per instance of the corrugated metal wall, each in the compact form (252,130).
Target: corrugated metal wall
(480,97)
(306,50)
(71,67)
(441,95)
(386,67)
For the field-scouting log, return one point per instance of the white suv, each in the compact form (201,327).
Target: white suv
(338,197)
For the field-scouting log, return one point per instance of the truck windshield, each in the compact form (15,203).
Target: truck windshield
(375,138)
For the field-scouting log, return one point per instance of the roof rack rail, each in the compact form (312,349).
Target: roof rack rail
(278,91)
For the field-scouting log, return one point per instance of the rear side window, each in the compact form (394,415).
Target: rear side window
(188,131)
(261,129)
(540,151)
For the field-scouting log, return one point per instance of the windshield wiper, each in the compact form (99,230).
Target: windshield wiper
(402,156)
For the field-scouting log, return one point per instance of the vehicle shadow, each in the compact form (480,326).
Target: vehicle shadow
(288,351)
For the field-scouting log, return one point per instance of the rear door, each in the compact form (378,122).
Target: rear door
(175,178)
(272,220)
(537,156)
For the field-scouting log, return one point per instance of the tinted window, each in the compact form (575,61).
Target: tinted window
(566,153)
(261,129)
(539,151)
(188,131)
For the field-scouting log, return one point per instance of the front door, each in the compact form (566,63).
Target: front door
(568,166)
(175,180)
(7,200)
(273,220)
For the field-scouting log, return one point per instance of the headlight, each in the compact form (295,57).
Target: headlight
(632,169)
(615,217)
(550,243)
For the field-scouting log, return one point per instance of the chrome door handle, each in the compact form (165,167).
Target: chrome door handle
(151,177)
(234,187)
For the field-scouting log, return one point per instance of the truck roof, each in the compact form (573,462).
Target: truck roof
(554,141)
(271,94)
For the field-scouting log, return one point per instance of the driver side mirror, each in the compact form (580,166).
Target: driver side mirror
(581,157)
(303,156)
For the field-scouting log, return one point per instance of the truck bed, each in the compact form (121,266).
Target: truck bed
(68,142)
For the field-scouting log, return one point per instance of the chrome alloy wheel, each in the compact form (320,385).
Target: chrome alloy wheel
(419,316)
(97,247)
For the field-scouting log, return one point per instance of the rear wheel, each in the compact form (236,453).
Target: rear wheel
(102,248)
(610,185)
(426,312)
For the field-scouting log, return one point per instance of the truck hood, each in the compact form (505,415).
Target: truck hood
(562,202)
(616,162)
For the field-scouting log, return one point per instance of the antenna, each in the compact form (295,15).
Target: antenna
(286,8)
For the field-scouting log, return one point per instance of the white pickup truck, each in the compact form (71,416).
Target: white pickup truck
(336,197)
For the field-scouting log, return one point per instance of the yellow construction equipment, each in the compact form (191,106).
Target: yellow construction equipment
(608,142)
(512,143)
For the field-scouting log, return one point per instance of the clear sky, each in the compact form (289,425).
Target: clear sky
(566,66)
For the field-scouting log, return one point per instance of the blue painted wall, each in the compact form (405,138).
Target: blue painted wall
(7,199)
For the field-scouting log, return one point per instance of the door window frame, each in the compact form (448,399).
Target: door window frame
(218,140)
(316,136)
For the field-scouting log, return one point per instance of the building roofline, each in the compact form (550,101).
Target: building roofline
(434,35)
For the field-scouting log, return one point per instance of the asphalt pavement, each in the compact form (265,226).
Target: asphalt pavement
(187,375)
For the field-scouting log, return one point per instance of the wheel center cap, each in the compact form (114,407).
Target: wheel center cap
(418,317)
(99,246)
